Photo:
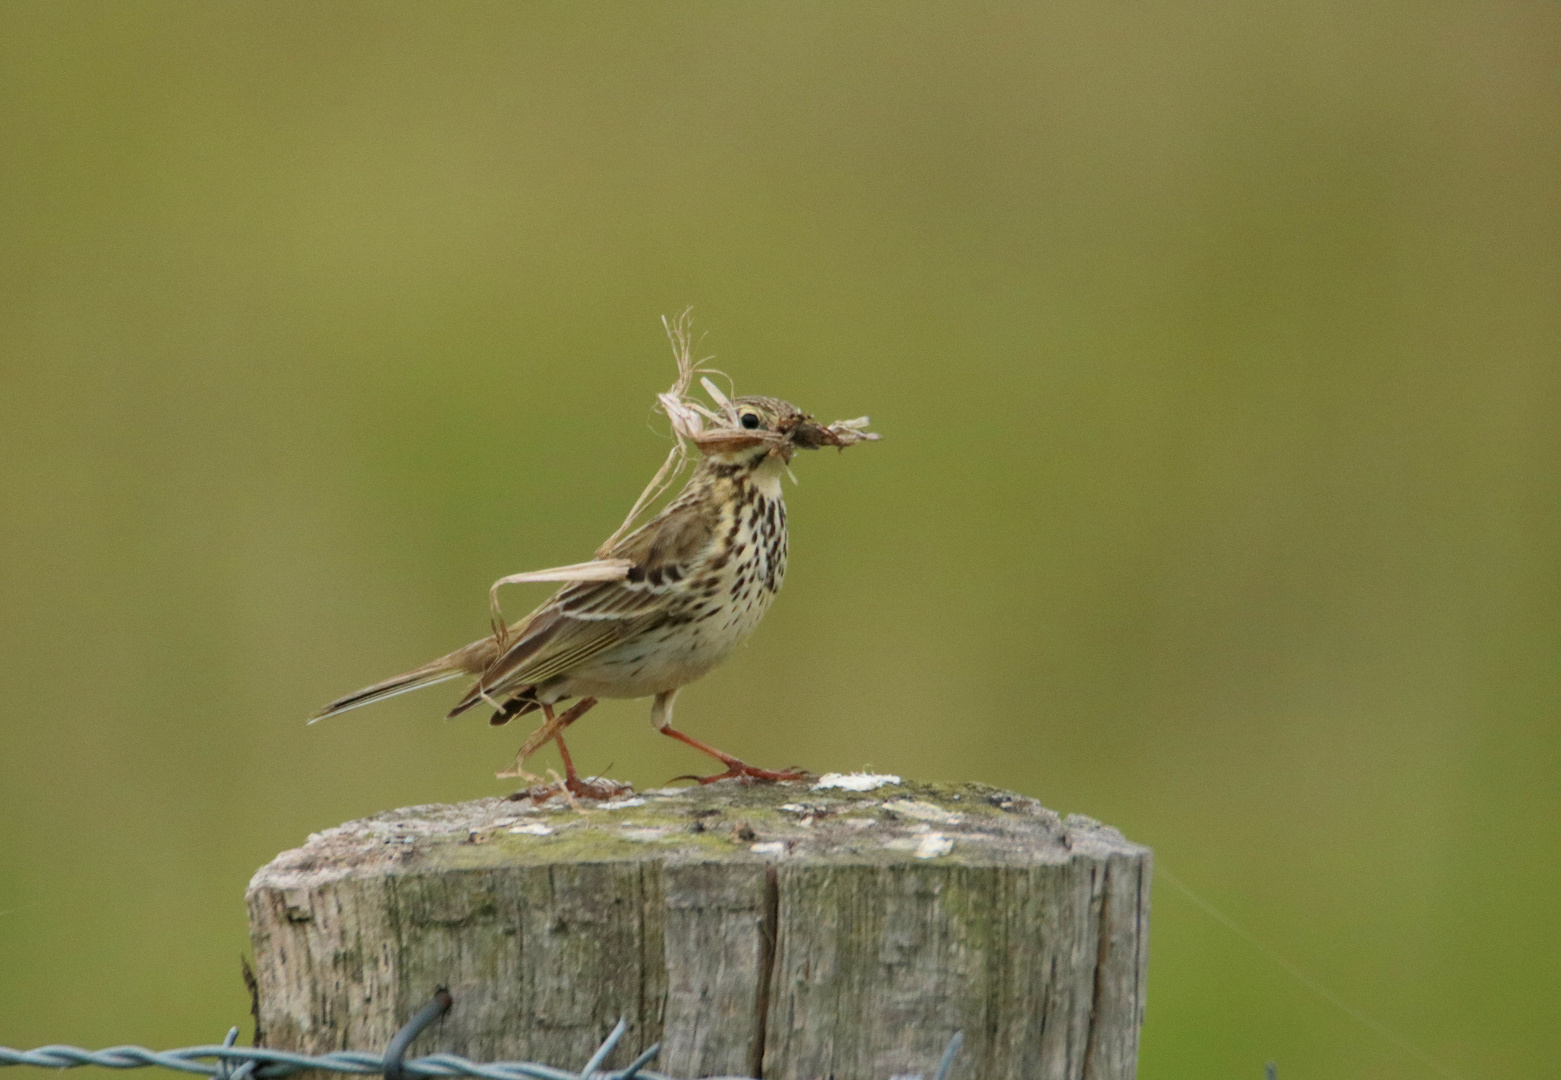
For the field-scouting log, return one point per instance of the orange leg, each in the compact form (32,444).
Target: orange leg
(550,730)
(734,767)
(661,716)
(558,724)
(570,776)
(596,787)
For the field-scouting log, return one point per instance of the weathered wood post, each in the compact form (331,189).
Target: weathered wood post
(785,931)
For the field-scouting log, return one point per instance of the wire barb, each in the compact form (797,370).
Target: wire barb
(949,1053)
(603,1050)
(225,1069)
(262,1063)
(640,1062)
(437,1006)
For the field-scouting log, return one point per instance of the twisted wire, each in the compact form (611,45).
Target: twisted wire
(267,1064)
(230,1062)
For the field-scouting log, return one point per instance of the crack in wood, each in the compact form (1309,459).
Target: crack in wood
(769,931)
(841,951)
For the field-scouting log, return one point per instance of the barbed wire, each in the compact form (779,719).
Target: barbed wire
(228,1061)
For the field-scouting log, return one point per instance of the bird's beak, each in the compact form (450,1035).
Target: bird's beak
(728,440)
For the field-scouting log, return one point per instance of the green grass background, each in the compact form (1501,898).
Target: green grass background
(1215,347)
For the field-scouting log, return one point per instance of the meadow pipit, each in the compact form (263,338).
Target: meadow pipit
(660,606)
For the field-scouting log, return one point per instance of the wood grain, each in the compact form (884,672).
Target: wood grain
(805,933)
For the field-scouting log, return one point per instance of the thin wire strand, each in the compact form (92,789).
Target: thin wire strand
(1306,980)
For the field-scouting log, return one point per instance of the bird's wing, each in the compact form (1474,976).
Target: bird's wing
(586,618)
(595,570)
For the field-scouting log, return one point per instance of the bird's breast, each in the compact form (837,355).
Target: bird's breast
(715,606)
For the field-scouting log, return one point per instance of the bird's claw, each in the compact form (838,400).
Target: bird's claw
(748,774)
(590,787)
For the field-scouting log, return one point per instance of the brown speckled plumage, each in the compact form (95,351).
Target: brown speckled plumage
(662,606)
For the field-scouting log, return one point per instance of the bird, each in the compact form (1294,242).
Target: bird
(659,606)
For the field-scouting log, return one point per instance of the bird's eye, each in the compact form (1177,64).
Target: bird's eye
(750,420)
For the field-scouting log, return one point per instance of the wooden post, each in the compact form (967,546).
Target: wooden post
(783,931)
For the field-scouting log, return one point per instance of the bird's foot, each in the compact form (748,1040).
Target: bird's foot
(748,774)
(598,788)
(734,769)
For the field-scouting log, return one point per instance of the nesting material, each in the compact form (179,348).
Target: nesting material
(697,426)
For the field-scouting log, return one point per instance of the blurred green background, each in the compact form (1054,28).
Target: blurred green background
(1216,350)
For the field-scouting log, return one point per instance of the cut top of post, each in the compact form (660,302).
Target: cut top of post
(791,930)
(967,824)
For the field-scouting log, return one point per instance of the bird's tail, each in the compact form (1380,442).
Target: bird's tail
(441,670)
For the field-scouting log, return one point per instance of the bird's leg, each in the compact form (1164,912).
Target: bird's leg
(571,777)
(734,767)
(552,729)
(597,787)
(661,716)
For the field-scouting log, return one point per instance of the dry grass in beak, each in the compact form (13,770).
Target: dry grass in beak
(846,432)
(632,631)
(687,421)
(696,426)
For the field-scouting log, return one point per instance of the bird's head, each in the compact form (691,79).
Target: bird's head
(743,431)
(752,429)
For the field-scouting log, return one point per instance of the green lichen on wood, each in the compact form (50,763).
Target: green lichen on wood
(802,931)
(723,821)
